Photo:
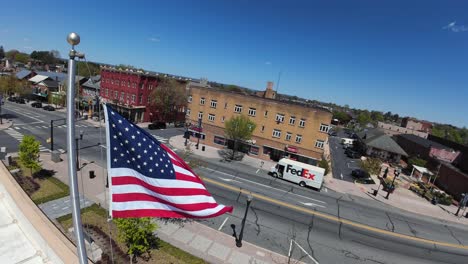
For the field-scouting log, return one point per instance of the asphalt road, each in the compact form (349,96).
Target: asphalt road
(282,210)
(342,166)
(330,227)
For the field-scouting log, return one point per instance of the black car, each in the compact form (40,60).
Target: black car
(360,174)
(157,125)
(12,99)
(20,100)
(48,108)
(37,105)
(352,154)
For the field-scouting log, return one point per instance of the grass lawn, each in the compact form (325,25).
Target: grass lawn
(165,254)
(50,188)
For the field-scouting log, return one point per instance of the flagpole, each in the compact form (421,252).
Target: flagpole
(74,39)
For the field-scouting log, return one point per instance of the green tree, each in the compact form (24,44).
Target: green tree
(371,165)
(47,57)
(82,69)
(11,54)
(341,116)
(9,84)
(417,162)
(137,234)
(377,116)
(29,153)
(167,98)
(233,88)
(22,57)
(2,52)
(364,118)
(324,164)
(239,128)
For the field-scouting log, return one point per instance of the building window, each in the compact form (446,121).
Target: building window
(188,112)
(288,136)
(252,111)
(263,129)
(324,128)
(149,100)
(222,119)
(128,84)
(298,138)
(128,97)
(200,115)
(122,96)
(266,113)
(107,92)
(219,140)
(211,117)
(116,95)
(202,101)
(133,98)
(279,118)
(214,103)
(112,81)
(319,144)
(225,105)
(238,108)
(141,99)
(276,133)
(142,86)
(302,122)
(292,120)
(254,150)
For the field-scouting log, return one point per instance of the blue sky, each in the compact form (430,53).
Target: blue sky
(408,57)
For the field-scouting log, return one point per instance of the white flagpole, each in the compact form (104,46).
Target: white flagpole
(109,178)
(73,39)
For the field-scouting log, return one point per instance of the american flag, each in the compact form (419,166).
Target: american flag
(147,179)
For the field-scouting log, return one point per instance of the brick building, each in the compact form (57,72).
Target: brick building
(418,125)
(391,130)
(128,92)
(283,129)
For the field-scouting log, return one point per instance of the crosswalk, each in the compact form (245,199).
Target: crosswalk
(164,140)
(48,127)
(18,136)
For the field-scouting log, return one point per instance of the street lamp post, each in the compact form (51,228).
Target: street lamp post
(396,173)
(462,202)
(78,150)
(383,177)
(239,240)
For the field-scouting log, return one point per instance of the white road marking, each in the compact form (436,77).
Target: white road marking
(326,189)
(228,180)
(224,222)
(312,204)
(269,187)
(341,175)
(102,146)
(17,128)
(27,124)
(303,250)
(20,113)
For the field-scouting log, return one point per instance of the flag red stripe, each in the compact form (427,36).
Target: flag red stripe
(164,213)
(124,180)
(131,197)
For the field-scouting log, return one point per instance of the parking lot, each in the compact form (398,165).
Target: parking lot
(342,166)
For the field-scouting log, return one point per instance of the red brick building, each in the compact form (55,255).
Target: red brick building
(128,92)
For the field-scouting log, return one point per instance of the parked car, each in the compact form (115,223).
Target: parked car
(12,99)
(48,108)
(360,174)
(352,154)
(37,105)
(20,100)
(157,125)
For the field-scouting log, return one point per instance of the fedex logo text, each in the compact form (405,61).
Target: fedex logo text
(302,172)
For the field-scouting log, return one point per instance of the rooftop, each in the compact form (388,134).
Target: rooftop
(423,142)
(379,140)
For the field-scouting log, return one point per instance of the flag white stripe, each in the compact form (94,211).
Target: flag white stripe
(159,206)
(189,199)
(126,172)
(183,171)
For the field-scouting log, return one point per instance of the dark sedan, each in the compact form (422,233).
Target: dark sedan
(360,174)
(157,125)
(48,108)
(37,105)
(20,100)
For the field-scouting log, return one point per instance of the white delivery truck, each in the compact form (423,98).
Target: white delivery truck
(298,172)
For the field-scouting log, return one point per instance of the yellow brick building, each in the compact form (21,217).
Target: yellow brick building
(283,129)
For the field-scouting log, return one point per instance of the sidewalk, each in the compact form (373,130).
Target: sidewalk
(195,238)
(6,124)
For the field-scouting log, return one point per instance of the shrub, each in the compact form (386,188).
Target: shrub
(324,164)
(28,184)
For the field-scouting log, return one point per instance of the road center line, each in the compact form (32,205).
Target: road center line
(267,186)
(334,218)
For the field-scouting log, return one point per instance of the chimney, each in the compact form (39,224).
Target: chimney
(269,86)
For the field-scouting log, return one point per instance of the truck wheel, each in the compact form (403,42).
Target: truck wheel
(275,174)
(302,184)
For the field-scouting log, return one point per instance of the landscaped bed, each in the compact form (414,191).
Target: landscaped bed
(94,218)
(425,190)
(41,186)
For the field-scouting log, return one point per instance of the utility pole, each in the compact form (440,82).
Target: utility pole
(74,39)
(395,175)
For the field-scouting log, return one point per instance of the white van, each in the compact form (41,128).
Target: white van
(298,172)
(347,141)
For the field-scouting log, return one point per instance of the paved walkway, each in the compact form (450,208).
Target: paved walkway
(62,206)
